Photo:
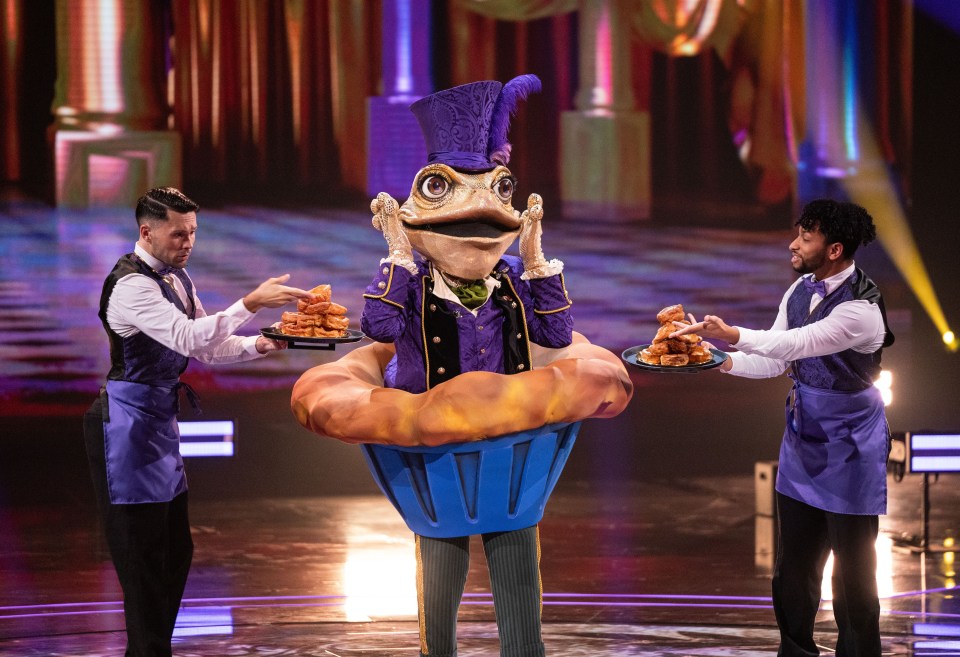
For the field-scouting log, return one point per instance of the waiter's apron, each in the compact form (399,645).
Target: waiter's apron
(142,443)
(834,450)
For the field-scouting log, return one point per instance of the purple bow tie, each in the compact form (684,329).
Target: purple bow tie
(166,271)
(816,287)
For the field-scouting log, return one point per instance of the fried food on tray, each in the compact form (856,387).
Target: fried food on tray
(663,333)
(658,349)
(317,316)
(321,293)
(312,308)
(671,314)
(319,332)
(674,360)
(335,322)
(649,358)
(699,354)
(678,351)
(689,338)
(676,346)
(320,307)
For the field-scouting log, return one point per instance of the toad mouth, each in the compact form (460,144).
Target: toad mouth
(464,229)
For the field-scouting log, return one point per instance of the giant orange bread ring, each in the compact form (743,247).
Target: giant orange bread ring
(346,399)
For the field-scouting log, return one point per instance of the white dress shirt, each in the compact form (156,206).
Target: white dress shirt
(137,304)
(855,324)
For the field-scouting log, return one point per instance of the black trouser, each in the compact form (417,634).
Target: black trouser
(151,549)
(513,559)
(807,535)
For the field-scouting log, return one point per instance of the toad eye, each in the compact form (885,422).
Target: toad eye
(434,187)
(504,188)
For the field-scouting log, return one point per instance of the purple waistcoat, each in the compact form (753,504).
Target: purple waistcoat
(835,444)
(436,339)
(140,407)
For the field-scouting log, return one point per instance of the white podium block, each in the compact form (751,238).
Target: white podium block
(765,542)
(765,481)
(113,170)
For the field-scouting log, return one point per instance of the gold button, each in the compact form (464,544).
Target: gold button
(519,336)
(520,366)
(382,285)
(441,370)
(483,351)
(479,328)
(513,304)
(433,307)
(386,270)
(436,339)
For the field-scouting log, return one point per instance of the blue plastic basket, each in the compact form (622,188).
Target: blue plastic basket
(494,485)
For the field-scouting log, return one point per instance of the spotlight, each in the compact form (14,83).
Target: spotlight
(884,384)
(950,340)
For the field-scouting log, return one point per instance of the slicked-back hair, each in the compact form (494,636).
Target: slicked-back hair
(154,204)
(839,221)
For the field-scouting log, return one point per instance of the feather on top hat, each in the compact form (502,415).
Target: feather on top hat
(466,127)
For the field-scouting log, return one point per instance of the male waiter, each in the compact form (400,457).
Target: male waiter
(156,323)
(831,482)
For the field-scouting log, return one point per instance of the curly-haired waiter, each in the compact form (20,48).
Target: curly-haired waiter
(831,482)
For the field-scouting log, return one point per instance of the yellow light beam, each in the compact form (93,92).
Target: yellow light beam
(871,188)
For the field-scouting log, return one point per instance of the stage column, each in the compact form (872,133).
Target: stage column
(395,147)
(605,142)
(111,141)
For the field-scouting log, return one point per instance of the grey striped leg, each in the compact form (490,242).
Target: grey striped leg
(513,559)
(442,565)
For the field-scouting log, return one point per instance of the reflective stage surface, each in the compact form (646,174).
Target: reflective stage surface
(655,568)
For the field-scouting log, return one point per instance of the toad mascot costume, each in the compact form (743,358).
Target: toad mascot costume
(469,401)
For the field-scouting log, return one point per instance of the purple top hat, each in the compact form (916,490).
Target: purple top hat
(466,127)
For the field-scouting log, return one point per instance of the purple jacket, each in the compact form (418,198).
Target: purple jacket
(437,339)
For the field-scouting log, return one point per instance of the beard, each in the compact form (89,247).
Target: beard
(811,264)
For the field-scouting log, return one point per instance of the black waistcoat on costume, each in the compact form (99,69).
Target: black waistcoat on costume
(440,321)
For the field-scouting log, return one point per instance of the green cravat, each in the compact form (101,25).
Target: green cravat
(472,295)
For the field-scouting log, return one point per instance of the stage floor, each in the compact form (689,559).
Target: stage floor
(648,543)
(654,568)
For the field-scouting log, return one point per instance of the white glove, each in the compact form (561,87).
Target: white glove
(531,251)
(386,219)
